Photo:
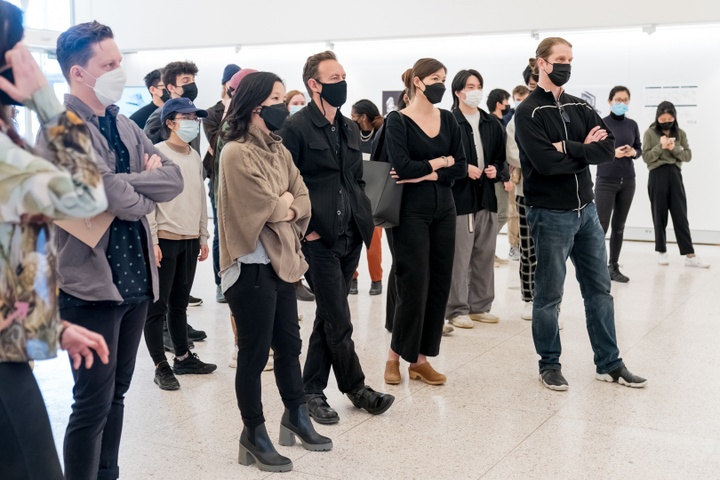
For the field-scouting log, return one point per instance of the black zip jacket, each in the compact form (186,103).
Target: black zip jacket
(471,196)
(309,137)
(552,179)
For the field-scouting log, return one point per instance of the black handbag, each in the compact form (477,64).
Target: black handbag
(383,191)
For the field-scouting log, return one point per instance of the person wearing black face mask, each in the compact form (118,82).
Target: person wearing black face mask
(499,106)
(665,149)
(424,145)
(264,210)
(559,136)
(179,81)
(325,146)
(160,95)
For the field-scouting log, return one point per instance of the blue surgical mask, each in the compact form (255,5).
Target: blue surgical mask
(189,129)
(620,109)
(295,108)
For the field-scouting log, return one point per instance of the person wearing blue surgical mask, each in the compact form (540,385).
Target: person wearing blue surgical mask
(295,100)
(180,238)
(615,182)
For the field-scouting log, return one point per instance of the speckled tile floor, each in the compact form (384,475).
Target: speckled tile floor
(492,419)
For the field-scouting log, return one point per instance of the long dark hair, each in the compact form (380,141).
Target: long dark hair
(666,107)
(251,92)
(458,83)
(11,32)
(370,110)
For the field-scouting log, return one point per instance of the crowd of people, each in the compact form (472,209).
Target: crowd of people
(287,194)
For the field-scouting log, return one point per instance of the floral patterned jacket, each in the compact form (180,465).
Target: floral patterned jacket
(66,186)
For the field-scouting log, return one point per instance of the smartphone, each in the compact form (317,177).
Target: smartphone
(671,139)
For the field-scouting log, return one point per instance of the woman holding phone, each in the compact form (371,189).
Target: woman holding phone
(665,149)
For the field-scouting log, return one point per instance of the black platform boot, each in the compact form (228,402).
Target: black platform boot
(298,423)
(615,275)
(255,446)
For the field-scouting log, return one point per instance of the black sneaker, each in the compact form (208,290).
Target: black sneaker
(164,377)
(196,335)
(371,401)
(554,380)
(320,411)
(192,365)
(376,288)
(168,344)
(622,376)
(616,275)
(194,301)
(353,287)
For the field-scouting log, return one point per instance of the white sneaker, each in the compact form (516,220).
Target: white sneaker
(233,360)
(514,254)
(462,321)
(663,259)
(484,317)
(527,311)
(695,262)
(447,329)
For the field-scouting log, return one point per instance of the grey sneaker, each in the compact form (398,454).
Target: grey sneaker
(219,296)
(554,380)
(622,376)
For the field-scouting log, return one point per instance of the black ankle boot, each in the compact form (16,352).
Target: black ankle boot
(255,446)
(615,274)
(298,423)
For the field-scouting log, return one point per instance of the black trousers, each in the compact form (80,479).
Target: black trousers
(667,194)
(176,275)
(27,449)
(613,197)
(391,287)
(92,437)
(265,311)
(331,343)
(424,245)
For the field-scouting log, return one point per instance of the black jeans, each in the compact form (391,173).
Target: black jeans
(613,197)
(331,344)
(27,449)
(667,193)
(265,311)
(424,245)
(175,275)
(92,438)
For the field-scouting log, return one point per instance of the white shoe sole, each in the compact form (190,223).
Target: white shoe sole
(604,377)
(557,388)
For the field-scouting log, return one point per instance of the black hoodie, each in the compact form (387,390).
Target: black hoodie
(556,180)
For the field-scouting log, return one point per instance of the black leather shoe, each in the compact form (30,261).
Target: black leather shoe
(320,411)
(371,401)
(168,344)
(256,447)
(303,293)
(375,288)
(615,274)
(195,335)
(297,424)
(353,287)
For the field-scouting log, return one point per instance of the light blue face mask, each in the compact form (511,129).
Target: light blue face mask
(189,129)
(619,109)
(295,108)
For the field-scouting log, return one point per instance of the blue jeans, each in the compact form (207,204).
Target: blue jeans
(559,234)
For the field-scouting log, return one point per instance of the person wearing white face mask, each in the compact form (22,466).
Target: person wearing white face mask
(107,287)
(473,282)
(180,236)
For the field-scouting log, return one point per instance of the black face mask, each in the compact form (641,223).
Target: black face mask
(560,74)
(274,116)
(165,95)
(666,125)
(334,93)
(434,92)
(5,99)
(190,91)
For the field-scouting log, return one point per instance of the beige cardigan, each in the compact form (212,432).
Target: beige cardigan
(254,172)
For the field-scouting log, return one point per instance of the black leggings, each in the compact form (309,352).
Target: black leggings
(613,197)
(27,449)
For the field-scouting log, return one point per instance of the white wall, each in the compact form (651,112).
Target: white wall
(671,56)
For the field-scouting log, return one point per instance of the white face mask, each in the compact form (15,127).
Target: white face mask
(473,98)
(109,86)
(189,129)
(295,108)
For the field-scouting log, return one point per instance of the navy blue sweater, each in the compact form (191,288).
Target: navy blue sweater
(626,132)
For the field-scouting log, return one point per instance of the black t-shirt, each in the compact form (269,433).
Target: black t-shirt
(140,117)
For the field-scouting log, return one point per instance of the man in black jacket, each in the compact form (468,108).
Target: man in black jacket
(472,290)
(325,146)
(559,136)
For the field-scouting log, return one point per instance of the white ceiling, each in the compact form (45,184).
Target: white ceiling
(159,24)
